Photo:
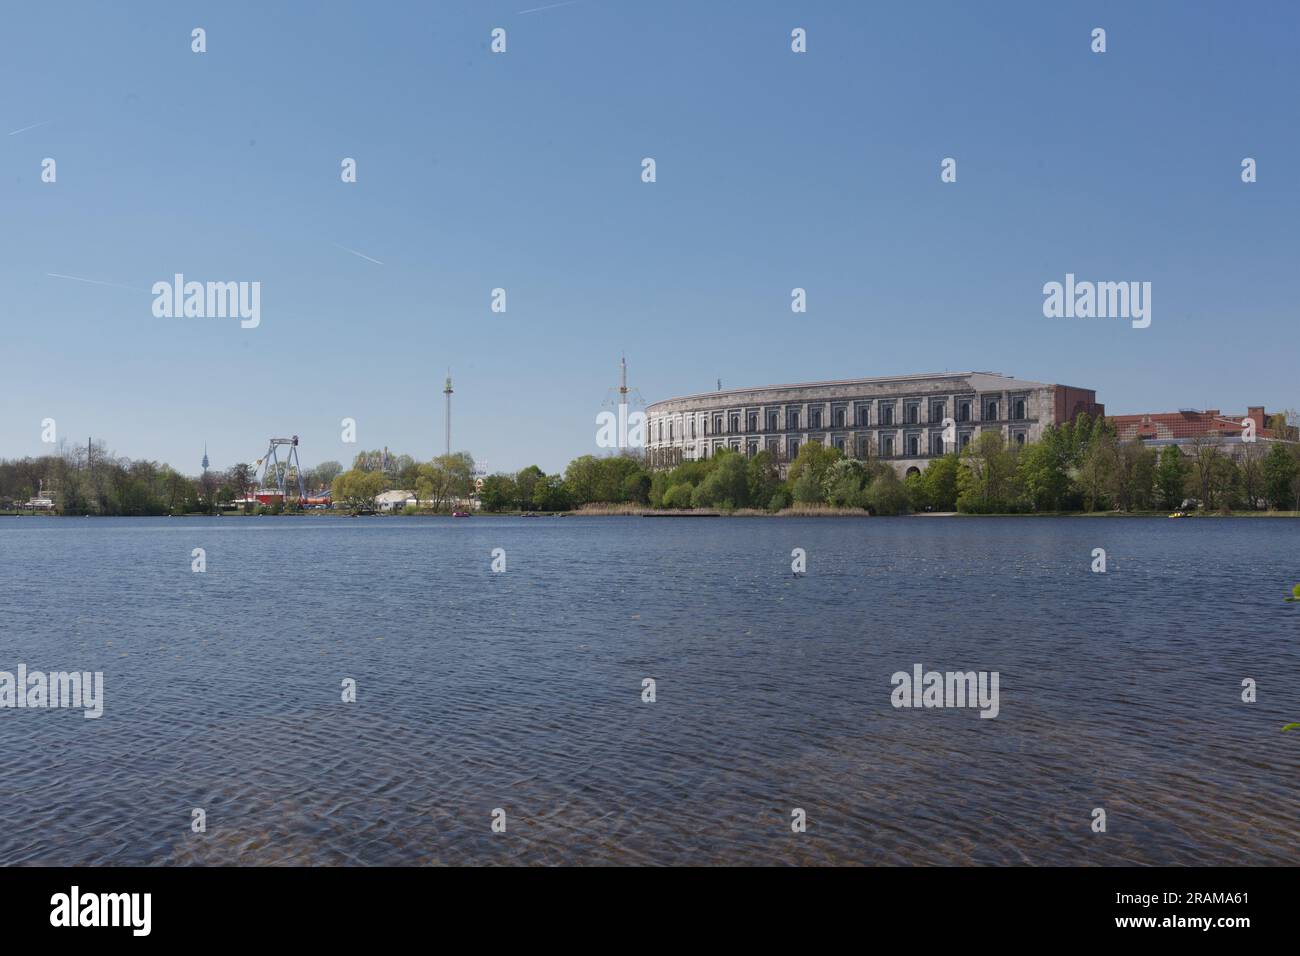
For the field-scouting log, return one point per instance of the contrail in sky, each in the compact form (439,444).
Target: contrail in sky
(115,285)
(33,126)
(566,3)
(361,254)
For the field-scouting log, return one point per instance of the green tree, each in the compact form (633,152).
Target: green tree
(636,487)
(678,496)
(1280,470)
(551,494)
(445,480)
(1250,471)
(525,482)
(726,485)
(323,475)
(939,482)
(807,489)
(763,477)
(499,493)
(1097,467)
(357,489)
(1205,456)
(1132,478)
(886,494)
(986,482)
(1171,477)
(813,460)
(918,496)
(1043,474)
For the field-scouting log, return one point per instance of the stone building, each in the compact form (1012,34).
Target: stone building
(898,419)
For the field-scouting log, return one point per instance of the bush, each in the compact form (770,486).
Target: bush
(847,492)
(886,495)
(808,489)
(678,496)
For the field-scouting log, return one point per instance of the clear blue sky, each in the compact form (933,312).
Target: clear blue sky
(522,170)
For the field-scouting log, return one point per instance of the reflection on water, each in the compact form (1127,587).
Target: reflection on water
(522,691)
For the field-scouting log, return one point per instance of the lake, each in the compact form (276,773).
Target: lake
(522,691)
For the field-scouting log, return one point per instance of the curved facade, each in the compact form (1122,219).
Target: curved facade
(899,420)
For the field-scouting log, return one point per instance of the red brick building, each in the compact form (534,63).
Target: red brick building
(1194,423)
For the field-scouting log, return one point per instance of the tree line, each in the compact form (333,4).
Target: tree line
(1079,466)
(94,481)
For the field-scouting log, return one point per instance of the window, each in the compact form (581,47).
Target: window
(937,410)
(913,413)
(717,424)
(864,447)
(886,414)
(1020,438)
(862,417)
(670,431)
(936,444)
(773,421)
(991,412)
(913,445)
(1020,408)
(773,445)
(839,418)
(815,417)
(751,448)
(886,446)
(793,447)
(792,419)
(963,411)
(839,443)
(752,424)
(963,440)
(693,428)
(735,423)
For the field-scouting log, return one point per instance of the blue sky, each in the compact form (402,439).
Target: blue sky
(522,171)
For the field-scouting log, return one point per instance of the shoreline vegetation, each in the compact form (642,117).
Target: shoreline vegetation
(1076,469)
(600,511)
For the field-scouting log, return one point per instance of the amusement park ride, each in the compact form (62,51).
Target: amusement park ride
(278,476)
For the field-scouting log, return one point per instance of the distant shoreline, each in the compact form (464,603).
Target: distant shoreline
(683,513)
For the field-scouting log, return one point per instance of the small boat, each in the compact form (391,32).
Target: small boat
(1179,514)
(460,514)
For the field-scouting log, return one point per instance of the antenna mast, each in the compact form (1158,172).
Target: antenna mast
(447,427)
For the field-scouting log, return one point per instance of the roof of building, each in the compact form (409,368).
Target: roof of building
(978,381)
(1188,423)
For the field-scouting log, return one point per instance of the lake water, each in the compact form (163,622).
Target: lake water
(523,691)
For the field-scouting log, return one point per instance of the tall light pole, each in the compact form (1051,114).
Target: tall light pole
(447,427)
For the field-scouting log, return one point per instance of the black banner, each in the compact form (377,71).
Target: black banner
(214,905)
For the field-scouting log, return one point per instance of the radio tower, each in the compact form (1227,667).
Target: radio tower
(447,428)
